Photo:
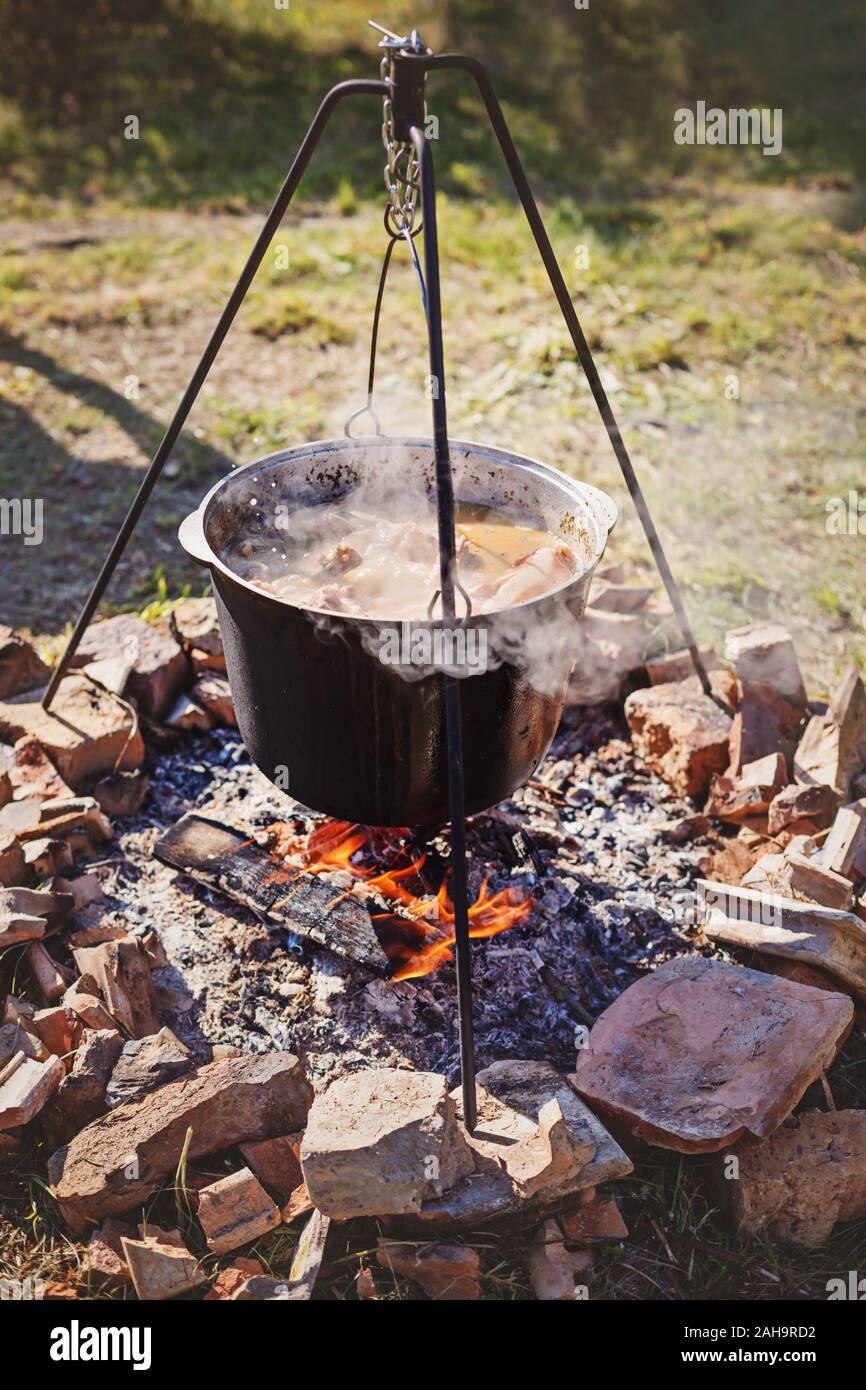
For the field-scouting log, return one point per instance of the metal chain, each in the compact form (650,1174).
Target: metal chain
(402,171)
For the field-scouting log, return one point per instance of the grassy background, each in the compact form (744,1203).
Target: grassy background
(703,264)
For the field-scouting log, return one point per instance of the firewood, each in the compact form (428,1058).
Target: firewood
(226,859)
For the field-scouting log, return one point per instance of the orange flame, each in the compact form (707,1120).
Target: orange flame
(421,937)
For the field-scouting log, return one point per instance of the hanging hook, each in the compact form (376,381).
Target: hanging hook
(394,236)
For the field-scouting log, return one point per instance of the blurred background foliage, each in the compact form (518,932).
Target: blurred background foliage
(223,89)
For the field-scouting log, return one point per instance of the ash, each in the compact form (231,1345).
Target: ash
(586,838)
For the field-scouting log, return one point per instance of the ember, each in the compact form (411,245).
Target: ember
(419,937)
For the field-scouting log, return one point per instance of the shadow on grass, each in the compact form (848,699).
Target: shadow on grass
(84,502)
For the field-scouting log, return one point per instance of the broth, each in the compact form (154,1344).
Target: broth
(347,558)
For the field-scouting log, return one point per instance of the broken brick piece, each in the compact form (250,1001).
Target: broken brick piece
(276,1162)
(380,1141)
(446,1273)
(50,980)
(804,1179)
(817,803)
(145,1064)
(844,850)
(80,1097)
(593,1221)
(86,732)
(699,1053)
(32,774)
(213,693)
(13,869)
(159,667)
(763,654)
(224,1103)
(21,667)
(833,748)
(122,972)
(25,1087)
(235,1210)
(553,1269)
(680,732)
(104,1255)
(161,1271)
(750,792)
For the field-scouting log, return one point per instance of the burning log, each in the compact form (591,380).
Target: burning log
(234,864)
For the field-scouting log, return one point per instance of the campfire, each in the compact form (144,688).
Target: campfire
(417,933)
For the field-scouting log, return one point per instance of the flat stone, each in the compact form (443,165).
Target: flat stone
(699,1053)
(159,667)
(224,1103)
(382,1141)
(80,1097)
(161,1271)
(86,733)
(763,653)
(145,1064)
(276,1162)
(21,667)
(804,1179)
(680,733)
(25,1087)
(821,936)
(446,1273)
(122,972)
(511,1096)
(817,803)
(235,1210)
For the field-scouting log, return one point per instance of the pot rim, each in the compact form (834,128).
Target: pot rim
(193,537)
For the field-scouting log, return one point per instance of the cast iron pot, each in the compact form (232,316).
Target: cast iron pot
(320,713)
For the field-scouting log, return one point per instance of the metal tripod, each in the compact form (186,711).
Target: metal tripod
(406,63)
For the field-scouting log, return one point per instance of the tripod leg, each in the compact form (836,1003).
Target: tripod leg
(151,477)
(453,719)
(560,289)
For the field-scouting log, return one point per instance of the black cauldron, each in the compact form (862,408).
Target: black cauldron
(322,714)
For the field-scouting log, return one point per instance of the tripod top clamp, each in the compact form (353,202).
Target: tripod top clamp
(405,78)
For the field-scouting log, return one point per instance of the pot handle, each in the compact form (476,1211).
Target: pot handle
(192,538)
(603,508)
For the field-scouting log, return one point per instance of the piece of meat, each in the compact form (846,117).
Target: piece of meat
(536,574)
(340,559)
